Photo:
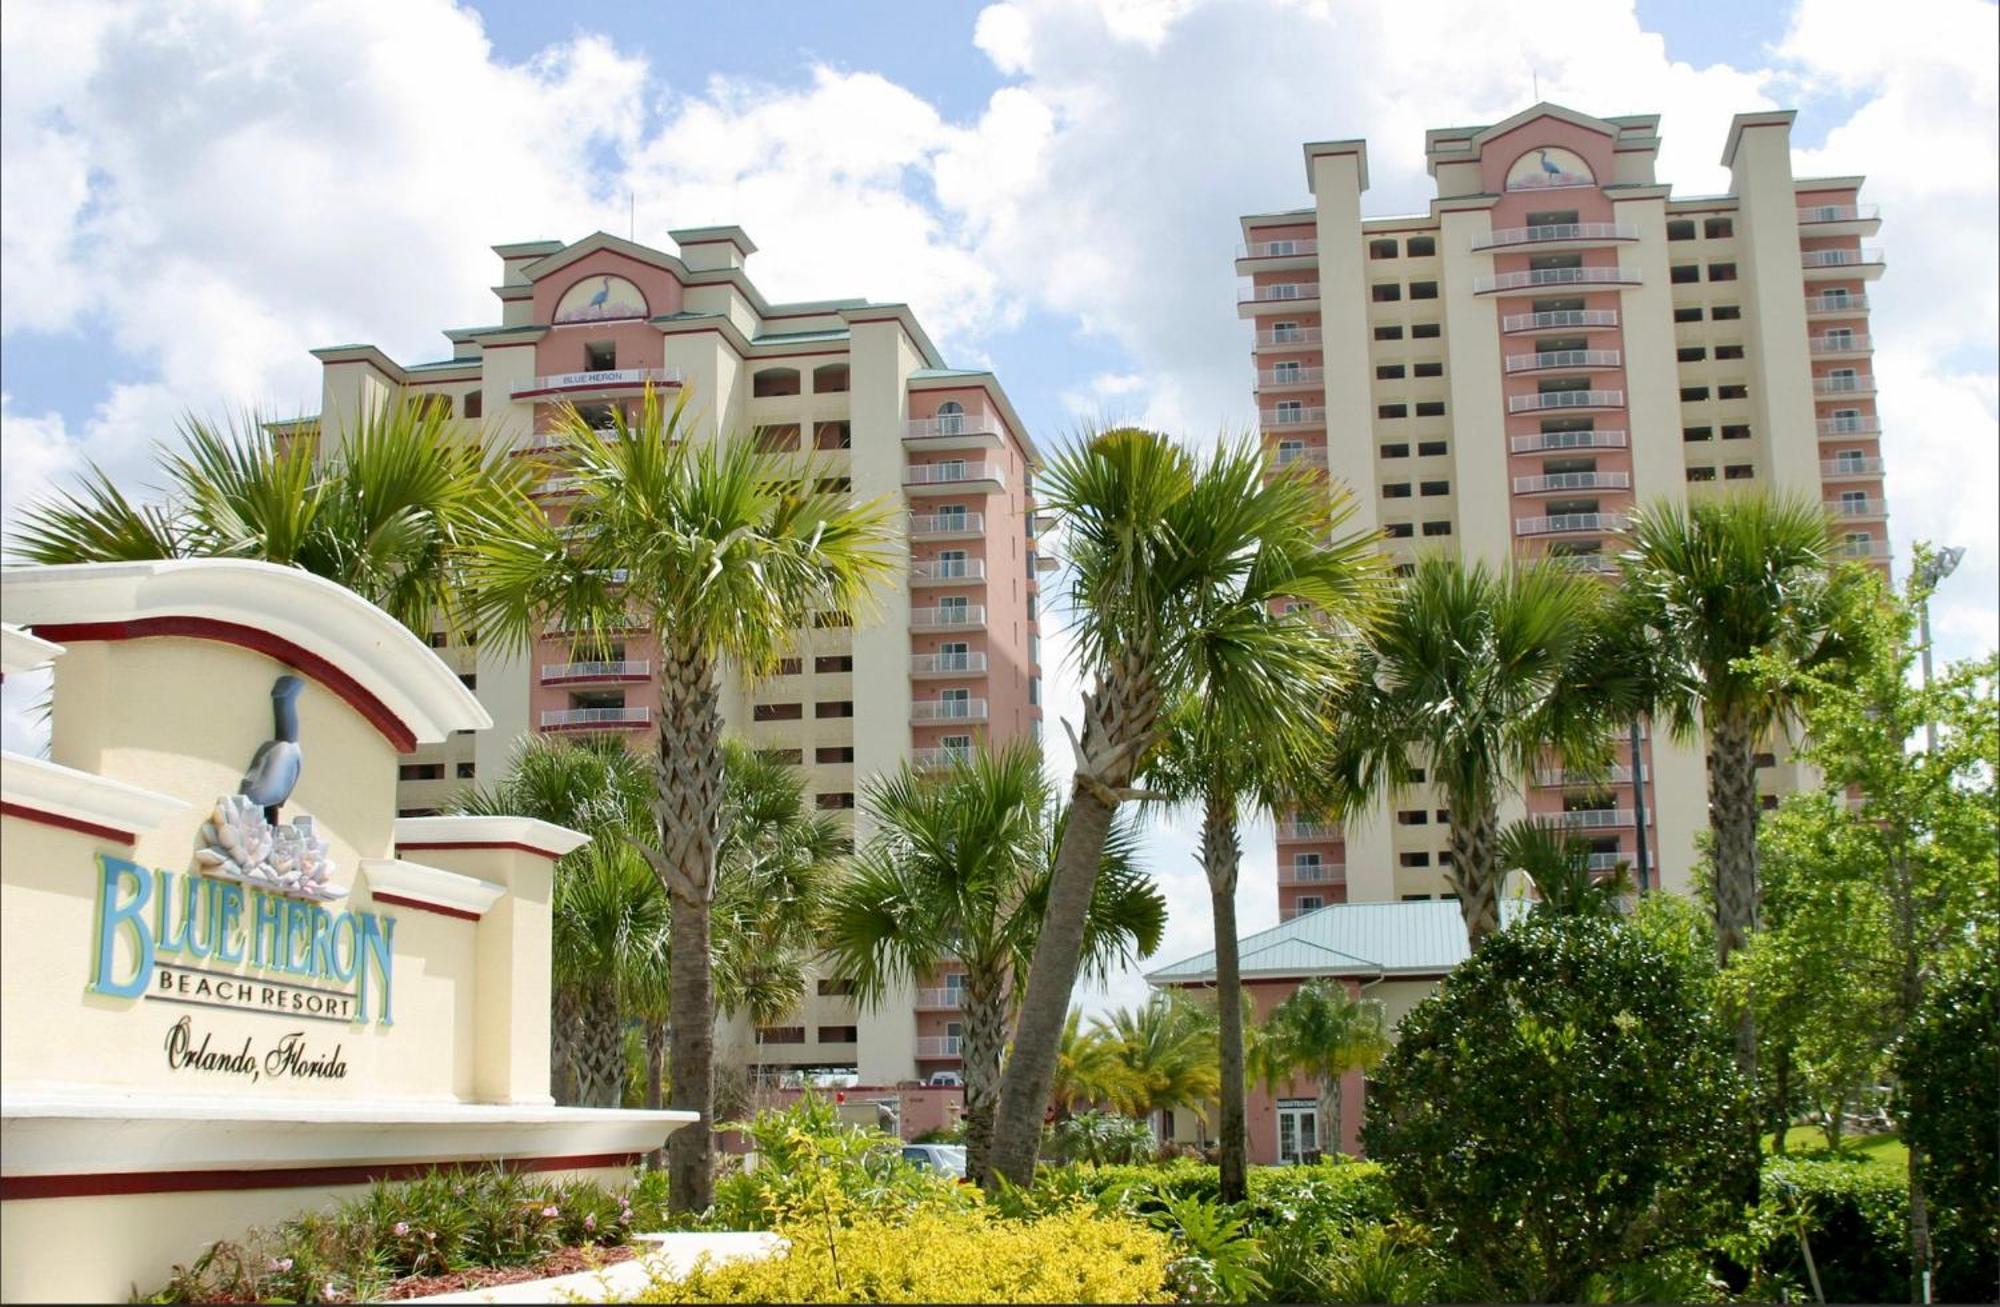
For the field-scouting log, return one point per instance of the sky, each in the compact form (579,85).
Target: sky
(192,195)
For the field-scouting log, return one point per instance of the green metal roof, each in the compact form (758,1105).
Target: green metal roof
(1349,939)
(800,337)
(932,374)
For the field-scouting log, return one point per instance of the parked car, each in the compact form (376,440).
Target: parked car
(945,1159)
(949,1078)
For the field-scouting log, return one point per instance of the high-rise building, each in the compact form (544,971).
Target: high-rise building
(848,391)
(1556,340)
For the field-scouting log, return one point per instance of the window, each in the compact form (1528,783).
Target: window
(1413,817)
(1739,472)
(1726,312)
(1443,816)
(1683,273)
(467,771)
(1397,490)
(1387,292)
(1034,691)
(830,379)
(825,664)
(1717,229)
(1389,372)
(1431,409)
(834,753)
(474,403)
(1692,354)
(835,988)
(1680,229)
(1689,313)
(781,438)
(436,639)
(777,712)
(1423,290)
(824,620)
(1728,351)
(833,435)
(839,1034)
(1416,776)
(1392,411)
(600,356)
(1286,372)
(1427,370)
(833,485)
(783,757)
(1701,474)
(834,708)
(1437,528)
(1399,530)
(1421,247)
(775,381)
(420,771)
(1388,333)
(1426,331)
(834,802)
(1382,249)
(1404,569)
(1298,1126)
(1310,903)
(781,1034)
(1722,272)
(1738,391)
(1692,434)
(1693,394)
(1395,451)
(1430,448)
(1736,431)
(1432,488)
(1414,859)
(470,680)
(790,666)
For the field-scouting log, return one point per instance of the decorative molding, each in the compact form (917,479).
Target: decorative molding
(524,833)
(330,633)
(431,888)
(22,652)
(35,789)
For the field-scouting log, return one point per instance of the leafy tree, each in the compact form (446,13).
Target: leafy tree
(1323,1031)
(1102,1139)
(1477,675)
(391,513)
(1166,551)
(959,869)
(1949,1069)
(1168,1047)
(1089,1070)
(1557,862)
(1564,1104)
(694,540)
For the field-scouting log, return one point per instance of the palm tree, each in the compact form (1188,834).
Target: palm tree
(1161,545)
(1168,1047)
(1558,864)
(959,870)
(1089,1070)
(1480,674)
(1323,1031)
(695,540)
(391,514)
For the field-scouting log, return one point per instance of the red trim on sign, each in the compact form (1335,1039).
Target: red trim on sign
(422,906)
(320,669)
(15,1187)
(482,844)
(67,823)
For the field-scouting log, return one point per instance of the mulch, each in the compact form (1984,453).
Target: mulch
(565,1261)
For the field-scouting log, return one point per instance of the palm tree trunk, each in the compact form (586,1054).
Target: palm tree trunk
(600,1048)
(687,807)
(656,1074)
(1732,819)
(1332,1139)
(1119,726)
(985,1035)
(562,1046)
(1474,874)
(1221,856)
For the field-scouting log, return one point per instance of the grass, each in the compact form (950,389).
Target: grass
(1884,1151)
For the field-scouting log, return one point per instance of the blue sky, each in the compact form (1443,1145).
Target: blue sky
(196,193)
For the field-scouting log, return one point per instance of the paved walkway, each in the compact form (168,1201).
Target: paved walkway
(676,1252)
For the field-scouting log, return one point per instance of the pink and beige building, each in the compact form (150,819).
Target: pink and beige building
(849,392)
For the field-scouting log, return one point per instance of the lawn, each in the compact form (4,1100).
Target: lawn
(1884,1151)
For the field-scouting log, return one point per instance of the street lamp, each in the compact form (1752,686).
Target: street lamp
(1927,575)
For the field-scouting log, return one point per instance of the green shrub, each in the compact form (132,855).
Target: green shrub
(1852,1216)
(1562,1106)
(1949,1069)
(1101,1138)
(1333,1196)
(1216,1257)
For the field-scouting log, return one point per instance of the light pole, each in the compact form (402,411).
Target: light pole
(1927,575)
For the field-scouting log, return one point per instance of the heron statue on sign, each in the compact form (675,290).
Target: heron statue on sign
(274,769)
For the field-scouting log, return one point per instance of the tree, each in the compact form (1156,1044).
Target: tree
(1167,1046)
(1089,1070)
(1160,544)
(1480,675)
(1708,587)
(1562,1105)
(391,513)
(695,540)
(1557,862)
(1323,1031)
(959,869)
(1949,1067)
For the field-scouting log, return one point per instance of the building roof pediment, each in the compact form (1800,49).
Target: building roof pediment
(600,241)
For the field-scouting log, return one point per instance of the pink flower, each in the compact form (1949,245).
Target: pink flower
(590,1223)
(281,1263)
(401,1228)
(551,1213)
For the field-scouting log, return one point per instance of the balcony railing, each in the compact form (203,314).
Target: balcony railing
(944,474)
(1277,249)
(625,669)
(603,380)
(1563,523)
(1295,911)
(1608,861)
(1850,467)
(1560,399)
(1539,441)
(932,759)
(1840,258)
(1301,457)
(951,996)
(948,615)
(1563,358)
(948,664)
(1308,830)
(1864,549)
(1282,336)
(1857,343)
(1291,377)
(949,569)
(1302,416)
(559,718)
(1572,481)
(1278,292)
(952,424)
(1595,564)
(947,524)
(1557,319)
(1857,508)
(1833,428)
(1860,383)
(948,710)
(940,1046)
(1848,303)
(1595,819)
(1839,213)
(1312,873)
(1563,231)
(1533,277)
(565,485)
(1557,777)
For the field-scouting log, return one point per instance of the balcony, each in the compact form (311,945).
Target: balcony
(624,669)
(954,431)
(1595,819)
(939,1047)
(557,487)
(949,999)
(1850,469)
(1565,235)
(948,664)
(1570,523)
(1859,509)
(1861,383)
(1290,378)
(1839,428)
(1840,220)
(1563,358)
(1279,293)
(1560,481)
(947,526)
(1308,830)
(596,719)
(568,385)
(1531,280)
(1876,550)
(1559,320)
(1281,419)
(1277,249)
(1594,564)
(1557,400)
(1288,338)
(949,617)
(1608,861)
(1045,562)
(954,477)
(948,710)
(1313,873)
(1308,459)
(1823,264)
(1836,306)
(1544,441)
(1551,778)
(939,759)
(1296,911)
(943,571)
(1833,346)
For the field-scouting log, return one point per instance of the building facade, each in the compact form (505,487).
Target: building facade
(850,392)
(1558,339)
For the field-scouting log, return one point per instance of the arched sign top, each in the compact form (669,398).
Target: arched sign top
(1545,167)
(600,298)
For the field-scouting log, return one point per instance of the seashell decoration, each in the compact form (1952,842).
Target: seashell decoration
(238,844)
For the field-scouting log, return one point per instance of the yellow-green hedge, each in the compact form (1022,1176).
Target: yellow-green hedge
(955,1257)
